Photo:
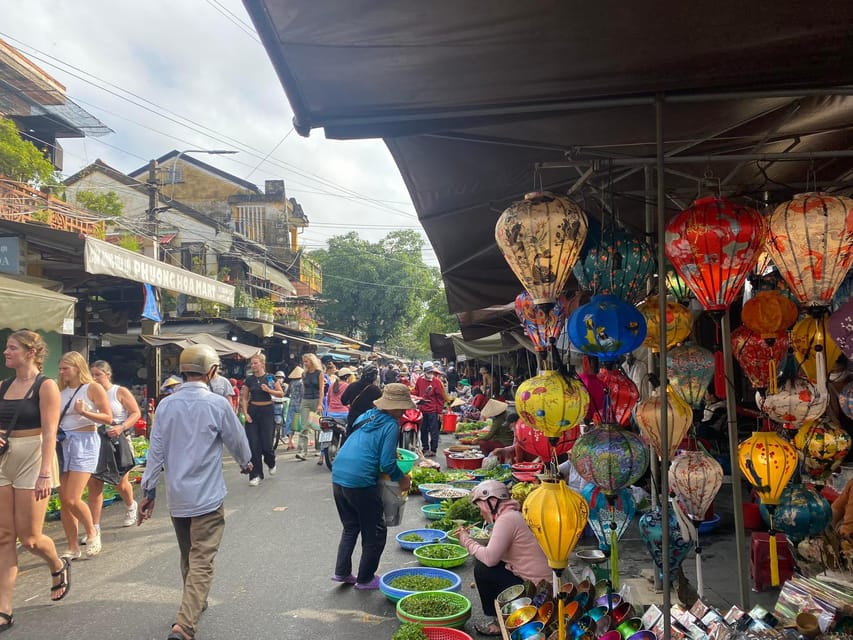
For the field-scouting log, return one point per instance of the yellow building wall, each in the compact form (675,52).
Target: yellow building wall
(196,184)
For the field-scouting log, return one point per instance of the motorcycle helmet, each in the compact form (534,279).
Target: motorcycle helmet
(489,489)
(198,358)
(368,369)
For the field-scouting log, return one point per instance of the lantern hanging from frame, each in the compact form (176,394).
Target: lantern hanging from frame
(679,417)
(841,329)
(796,402)
(541,323)
(824,445)
(759,358)
(695,478)
(606,327)
(768,313)
(622,395)
(690,369)
(603,514)
(680,541)
(814,348)
(675,285)
(801,513)
(597,394)
(551,403)
(616,263)
(541,238)
(679,322)
(538,444)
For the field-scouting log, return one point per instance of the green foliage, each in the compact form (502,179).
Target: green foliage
(21,160)
(409,631)
(130,242)
(107,204)
(265,305)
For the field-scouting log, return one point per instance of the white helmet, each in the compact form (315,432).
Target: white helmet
(489,489)
(198,358)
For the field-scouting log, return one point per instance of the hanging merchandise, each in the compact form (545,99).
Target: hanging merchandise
(759,358)
(617,263)
(824,445)
(679,322)
(605,517)
(801,513)
(690,369)
(796,402)
(815,349)
(622,395)
(680,541)
(541,237)
(675,285)
(841,329)
(845,400)
(606,327)
(596,392)
(541,323)
(768,313)
(679,417)
(844,293)
(695,478)
(810,240)
(537,443)
(551,403)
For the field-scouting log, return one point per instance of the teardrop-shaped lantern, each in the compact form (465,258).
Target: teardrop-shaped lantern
(622,395)
(679,417)
(759,358)
(713,245)
(767,462)
(606,327)
(810,240)
(541,238)
(557,516)
(617,263)
(603,514)
(541,322)
(841,329)
(690,369)
(695,478)
(809,337)
(769,312)
(679,322)
(596,392)
(651,533)
(824,445)
(610,457)
(795,403)
(537,443)
(802,513)
(551,403)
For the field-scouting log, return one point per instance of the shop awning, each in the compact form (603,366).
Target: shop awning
(448,345)
(222,346)
(286,335)
(24,305)
(265,271)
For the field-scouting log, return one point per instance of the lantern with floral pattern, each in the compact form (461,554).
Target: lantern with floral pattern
(679,322)
(618,264)
(690,369)
(796,402)
(606,327)
(541,323)
(824,445)
(695,478)
(622,396)
(758,357)
(679,417)
(551,403)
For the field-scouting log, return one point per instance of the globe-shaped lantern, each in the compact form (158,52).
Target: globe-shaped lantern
(841,329)
(769,312)
(679,322)
(713,245)
(610,457)
(810,240)
(679,417)
(801,513)
(617,263)
(622,395)
(541,323)
(551,403)
(538,444)
(767,462)
(597,393)
(814,347)
(606,327)
(758,358)
(604,513)
(690,369)
(845,400)
(541,238)
(557,516)
(675,285)
(795,403)
(695,478)
(824,445)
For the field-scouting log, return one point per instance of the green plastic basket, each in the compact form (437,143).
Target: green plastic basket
(457,620)
(421,553)
(433,511)
(406,459)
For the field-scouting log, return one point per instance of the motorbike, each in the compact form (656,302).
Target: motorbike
(333,432)
(410,427)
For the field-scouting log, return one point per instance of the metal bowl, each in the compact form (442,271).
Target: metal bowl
(527,631)
(510,593)
(514,605)
(521,616)
(592,556)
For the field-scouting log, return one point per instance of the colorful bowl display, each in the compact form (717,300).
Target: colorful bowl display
(521,616)
(510,593)
(433,511)
(514,605)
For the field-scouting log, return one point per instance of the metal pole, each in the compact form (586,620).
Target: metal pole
(155,362)
(584,158)
(737,498)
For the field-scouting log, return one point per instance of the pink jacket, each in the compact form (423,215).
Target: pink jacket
(513,543)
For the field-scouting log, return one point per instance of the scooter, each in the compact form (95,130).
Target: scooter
(333,432)
(410,427)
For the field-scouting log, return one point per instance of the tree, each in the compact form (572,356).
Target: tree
(21,161)
(107,204)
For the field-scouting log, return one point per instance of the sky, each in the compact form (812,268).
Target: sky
(192,74)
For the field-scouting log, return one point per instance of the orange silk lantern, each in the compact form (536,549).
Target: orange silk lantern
(678,322)
(679,417)
(769,312)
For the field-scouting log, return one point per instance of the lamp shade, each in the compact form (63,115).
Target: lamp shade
(602,514)
(541,322)
(537,443)
(755,354)
(622,395)
(651,532)
(824,445)
(551,403)
(690,369)
(810,240)
(679,417)
(811,332)
(557,516)
(606,327)
(695,478)
(802,513)
(769,312)
(541,238)
(795,403)
(713,245)
(617,263)
(678,322)
(767,462)
(610,457)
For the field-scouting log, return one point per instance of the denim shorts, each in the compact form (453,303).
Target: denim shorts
(80,451)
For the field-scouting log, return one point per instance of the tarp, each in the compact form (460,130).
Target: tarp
(25,305)
(451,345)
(221,346)
(471,97)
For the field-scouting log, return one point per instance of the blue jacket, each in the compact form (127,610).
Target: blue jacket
(369,451)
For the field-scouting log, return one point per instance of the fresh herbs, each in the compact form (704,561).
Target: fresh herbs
(410,631)
(419,582)
(442,551)
(412,537)
(432,605)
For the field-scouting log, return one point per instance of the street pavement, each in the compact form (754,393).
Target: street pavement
(272,572)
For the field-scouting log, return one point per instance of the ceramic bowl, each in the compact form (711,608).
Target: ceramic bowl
(611,602)
(645,634)
(510,593)
(521,616)
(545,612)
(527,631)
(514,605)
(622,612)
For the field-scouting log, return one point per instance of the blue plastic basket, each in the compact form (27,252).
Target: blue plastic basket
(428,572)
(430,536)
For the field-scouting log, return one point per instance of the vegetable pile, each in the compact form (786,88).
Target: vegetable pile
(410,631)
(441,551)
(418,582)
(431,605)
(412,537)
(522,490)
(468,427)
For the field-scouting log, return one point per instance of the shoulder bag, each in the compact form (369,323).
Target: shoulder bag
(60,434)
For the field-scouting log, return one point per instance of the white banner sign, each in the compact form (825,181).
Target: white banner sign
(108,259)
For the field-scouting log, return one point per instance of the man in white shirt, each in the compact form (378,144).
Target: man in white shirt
(192,425)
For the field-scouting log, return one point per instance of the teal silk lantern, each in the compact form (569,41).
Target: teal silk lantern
(690,369)
(606,327)
(617,263)
(802,513)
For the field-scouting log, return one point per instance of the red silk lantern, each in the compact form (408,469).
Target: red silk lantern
(769,312)
(537,443)
(758,357)
(622,396)
(595,389)
(713,245)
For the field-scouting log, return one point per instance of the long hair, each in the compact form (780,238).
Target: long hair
(31,341)
(316,365)
(76,359)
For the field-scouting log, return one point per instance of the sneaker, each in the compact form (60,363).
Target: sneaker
(364,586)
(93,546)
(272,471)
(254,482)
(350,579)
(130,515)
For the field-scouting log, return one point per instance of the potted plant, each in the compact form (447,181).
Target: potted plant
(242,304)
(266,307)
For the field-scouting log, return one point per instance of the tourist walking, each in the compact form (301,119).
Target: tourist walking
(433,395)
(258,392)
(313,384)
(294,416)
(359,396)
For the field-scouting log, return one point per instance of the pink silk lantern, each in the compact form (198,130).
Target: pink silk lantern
(758,357)
(595,388)
(622,396)
(537,443)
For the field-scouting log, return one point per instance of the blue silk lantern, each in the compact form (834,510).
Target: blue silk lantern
(651,531)
(801,513)
(603,515)
(606,327)
(617,264)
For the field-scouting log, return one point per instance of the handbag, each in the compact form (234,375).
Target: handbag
(107,469)
(123,452)
(6,384)
(314,420)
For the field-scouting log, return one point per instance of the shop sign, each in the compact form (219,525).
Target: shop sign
(13,254)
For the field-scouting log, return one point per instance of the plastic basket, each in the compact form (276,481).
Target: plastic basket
(433,511)
(406,460)
(457,620)
(445,633)
(427,572)
(445,563)
(436,496)
(430,536)
(431,486)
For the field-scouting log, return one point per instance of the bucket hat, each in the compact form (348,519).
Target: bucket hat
(395,396)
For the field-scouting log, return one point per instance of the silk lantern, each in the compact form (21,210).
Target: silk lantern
(679,417)
(651,532)
(841,329)
(678,322)
(541,323)
(810,240)
(814,348)
(551,403)
(801,513)
(796,402)
(759,358)
(606,327)
(690,369)
(622,396)
(597,394)
(824,445)
(610,457)
(616,263)
(541,238)
(675,285)
(603,514)
(769,312)
(695,478)
(537,443)
(845,400)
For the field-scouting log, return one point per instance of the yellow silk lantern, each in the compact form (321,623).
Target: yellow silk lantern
(551,403)
(769,312)
(541,238)
(814,348)
(679,417)
(678,322)
(824,445)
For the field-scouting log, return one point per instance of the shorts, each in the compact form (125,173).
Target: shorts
(21,463)
(80,451)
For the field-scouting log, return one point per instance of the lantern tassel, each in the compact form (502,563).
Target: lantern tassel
(774,552)
(719,375)
(614,554)
(820,369)
(772,382)
(700,581)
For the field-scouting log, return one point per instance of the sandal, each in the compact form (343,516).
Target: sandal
(177,635)
(491,629)
(9,621)
(65,583)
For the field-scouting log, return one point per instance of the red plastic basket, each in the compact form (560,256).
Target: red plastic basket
(462,463)
(444,633)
